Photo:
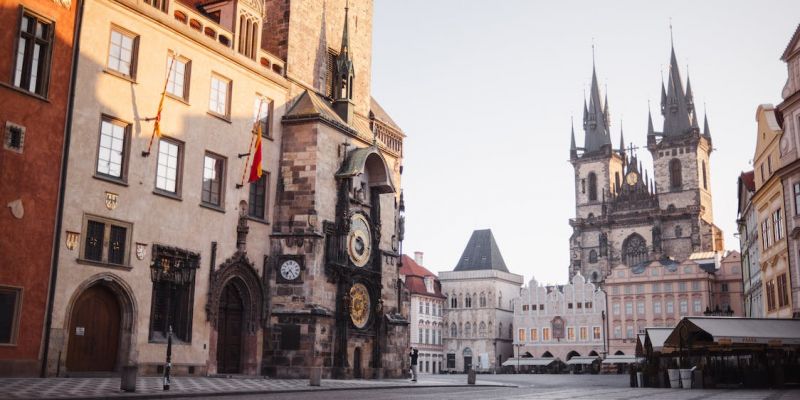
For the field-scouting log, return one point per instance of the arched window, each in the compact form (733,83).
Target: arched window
(616,181)
(482,330)
(453,330)
(705,181)
(675,178)
(453,301)
(483,299)
(594,276)
(634,250)
(592,256)
(468,301)
(467,329)
(500,300)
(592,186)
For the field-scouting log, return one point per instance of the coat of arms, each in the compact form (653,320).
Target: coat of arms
(111,200)
(141,250)
(72,240)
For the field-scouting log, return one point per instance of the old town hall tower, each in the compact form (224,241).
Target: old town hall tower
(623,214)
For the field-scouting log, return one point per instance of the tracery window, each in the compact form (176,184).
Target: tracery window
(592,256)
(592,186)
(482,330)
(675,178)
(483,300)
(468,301)
(453,330)
(634,250)
(467,329)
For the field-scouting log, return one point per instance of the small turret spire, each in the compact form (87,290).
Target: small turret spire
(573,149)
(706,130)
(650,130)
(596,121)
(621,139)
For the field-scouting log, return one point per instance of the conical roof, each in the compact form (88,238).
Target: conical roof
(481,253)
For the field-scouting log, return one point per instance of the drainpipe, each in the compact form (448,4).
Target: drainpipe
(62,185)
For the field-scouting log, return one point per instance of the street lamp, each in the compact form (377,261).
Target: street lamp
(518,345)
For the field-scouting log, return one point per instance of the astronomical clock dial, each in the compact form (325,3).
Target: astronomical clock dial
(632,178)
(290,270)
(359,243)
(360,305)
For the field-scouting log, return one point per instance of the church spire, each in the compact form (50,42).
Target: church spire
(573,149)
(621,140)
(706,131)
(675,104)
(651,133)
(595,118)
(344,75)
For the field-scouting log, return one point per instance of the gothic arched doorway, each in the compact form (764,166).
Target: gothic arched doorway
(94,331)
(467,359)
(357,363)
(230,331)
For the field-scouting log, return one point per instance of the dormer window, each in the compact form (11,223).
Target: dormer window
(429,284)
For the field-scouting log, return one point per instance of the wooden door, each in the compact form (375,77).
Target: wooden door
(467,363)
(229,329)
(94,331)
(357,363)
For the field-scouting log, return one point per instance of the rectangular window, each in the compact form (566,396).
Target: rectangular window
(569,306)
(668,287)
(34,46)
(797,196)
(615,308)
(580,305)
(777,223)
(596,333)
(571,334)
(682,287)
(656,287)
(521,335)
(262,113)
(419,338)
(670,307)
(725,285)
(771,296)
(696,285)
(213,177)
(657,307)
(10,300)
(766,237)
(628,332)
(615,290)
(640,289)
(220,96)
(628,289)
(640,308)
(617,332)
(112,152)
(584,333)
(534,335)
(105,241)
(546,334)
(697,306)
(684,304)
(628,308)
(783,291)
(122,52)
(169,166)
(258,204)
(588,304)
(178,80)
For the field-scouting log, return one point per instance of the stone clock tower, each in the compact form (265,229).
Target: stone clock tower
(336,301)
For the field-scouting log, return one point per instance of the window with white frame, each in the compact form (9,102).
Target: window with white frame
(596,333)
(112,152)
(684,306)
(122,52)
(696,306)
(179,70)
(168,169)
(219,96)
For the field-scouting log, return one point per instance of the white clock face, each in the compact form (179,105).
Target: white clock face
(290,270)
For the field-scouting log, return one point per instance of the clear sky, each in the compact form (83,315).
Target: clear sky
(485,91)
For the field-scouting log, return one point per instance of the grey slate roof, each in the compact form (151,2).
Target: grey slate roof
(481,253)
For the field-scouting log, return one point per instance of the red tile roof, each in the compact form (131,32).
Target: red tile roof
(415,278)
(748,179)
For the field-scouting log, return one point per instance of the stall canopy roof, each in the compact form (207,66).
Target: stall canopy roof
(525,361)
(733,330)
(655,337)
(582,360)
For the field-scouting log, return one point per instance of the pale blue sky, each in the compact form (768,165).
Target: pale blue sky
(485,91)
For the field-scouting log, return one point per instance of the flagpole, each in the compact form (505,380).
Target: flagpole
(156,127)
(252,140)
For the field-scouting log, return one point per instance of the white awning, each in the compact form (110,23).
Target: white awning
(657,337)
(620,360)
(582,360)
(527,361)
(734,330)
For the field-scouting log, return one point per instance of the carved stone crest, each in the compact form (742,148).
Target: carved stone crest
(111,200)
(141,250)
(71,240)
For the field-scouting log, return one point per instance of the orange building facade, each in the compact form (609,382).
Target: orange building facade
(36,57)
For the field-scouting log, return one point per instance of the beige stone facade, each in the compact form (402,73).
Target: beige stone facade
(768,202)
(560,321)
(479,318)
(297,271)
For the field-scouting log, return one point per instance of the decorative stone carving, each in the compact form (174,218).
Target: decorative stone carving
(239,272)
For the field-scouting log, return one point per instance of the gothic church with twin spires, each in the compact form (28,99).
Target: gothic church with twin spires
(625,215)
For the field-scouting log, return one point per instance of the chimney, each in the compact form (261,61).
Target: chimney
(418,257)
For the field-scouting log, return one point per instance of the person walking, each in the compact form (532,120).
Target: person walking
(414,354)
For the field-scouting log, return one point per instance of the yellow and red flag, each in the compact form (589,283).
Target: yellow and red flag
(255,169)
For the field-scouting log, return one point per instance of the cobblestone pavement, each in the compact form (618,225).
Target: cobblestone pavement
(150,387)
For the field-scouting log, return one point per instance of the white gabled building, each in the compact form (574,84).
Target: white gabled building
(427,303)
